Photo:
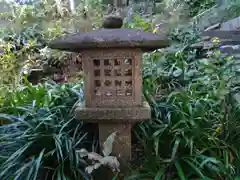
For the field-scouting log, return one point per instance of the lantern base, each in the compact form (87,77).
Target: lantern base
(105,115)
(119,120)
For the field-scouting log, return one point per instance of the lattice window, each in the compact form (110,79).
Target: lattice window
(113,77)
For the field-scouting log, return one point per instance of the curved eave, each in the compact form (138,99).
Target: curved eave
(76,47)
(110,38)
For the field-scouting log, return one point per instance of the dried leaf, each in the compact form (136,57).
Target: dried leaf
(108,144)
(94,156)
(82,152)
(111,162)
(90,169)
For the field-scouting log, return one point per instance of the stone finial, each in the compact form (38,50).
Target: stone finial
(112,22)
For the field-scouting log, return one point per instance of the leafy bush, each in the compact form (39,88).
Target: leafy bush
(31,26)
(41,138)
(44,95)
(195,122)
(42,144)
(196,6)
(195,113)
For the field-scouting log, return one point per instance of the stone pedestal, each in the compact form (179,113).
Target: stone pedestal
(119,120)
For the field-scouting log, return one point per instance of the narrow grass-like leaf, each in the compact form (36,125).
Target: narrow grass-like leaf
(180,171)
(197,170)
(175,148)
(38,164)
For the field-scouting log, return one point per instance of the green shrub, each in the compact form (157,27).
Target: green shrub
(41,138)
(42,144)
(195,121)
(48,94)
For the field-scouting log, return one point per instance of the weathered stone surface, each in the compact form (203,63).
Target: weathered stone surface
(97,93)
(226,34)
(113,37)
(229,41)
(110,38)
(113,115)
(232,24)
(122,143)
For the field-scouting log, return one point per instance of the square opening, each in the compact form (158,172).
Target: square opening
(97,92)
(128,61)
(107,72)
(118,83)
(96,62)
(128,72)
(108,93)
(108,83)
(97,83)
(117,72)
(117,62)
(128,92)
(107,62)
(97,72)
(119,93)
(128,84)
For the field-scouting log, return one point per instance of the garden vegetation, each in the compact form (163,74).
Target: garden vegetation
(194,132)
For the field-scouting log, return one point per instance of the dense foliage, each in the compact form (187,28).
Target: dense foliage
(40,138)
(194,128)
(195,124)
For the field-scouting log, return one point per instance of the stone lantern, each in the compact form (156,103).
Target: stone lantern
(113,82)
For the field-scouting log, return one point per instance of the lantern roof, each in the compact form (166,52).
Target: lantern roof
(110,36)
